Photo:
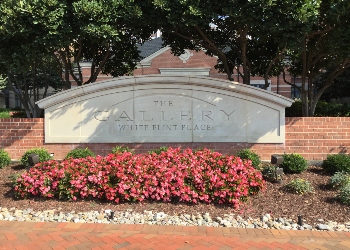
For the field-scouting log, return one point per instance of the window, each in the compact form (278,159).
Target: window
(260,84)
(295,93)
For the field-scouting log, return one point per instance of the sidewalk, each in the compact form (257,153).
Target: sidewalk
(43,235)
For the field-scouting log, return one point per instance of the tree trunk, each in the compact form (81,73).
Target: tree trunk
(272,62)
(304,88)
(305,102)
(243,44)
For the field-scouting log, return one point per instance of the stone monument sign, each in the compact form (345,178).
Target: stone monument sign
(160,108)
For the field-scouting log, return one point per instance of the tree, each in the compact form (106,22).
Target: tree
(340,88)
(32,33)
(26,45)
(248,35)
(103,32)
(258,36)
(3,82)
(322,52)
(30,82)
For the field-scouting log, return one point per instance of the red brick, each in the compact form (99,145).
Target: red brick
(312,137)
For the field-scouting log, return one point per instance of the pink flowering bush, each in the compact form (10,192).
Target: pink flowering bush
(173,175)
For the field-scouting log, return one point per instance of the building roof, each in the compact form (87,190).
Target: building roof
(149,47)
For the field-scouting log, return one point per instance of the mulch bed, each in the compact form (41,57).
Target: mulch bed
(321,204)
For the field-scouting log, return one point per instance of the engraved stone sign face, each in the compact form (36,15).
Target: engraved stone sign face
(164,109)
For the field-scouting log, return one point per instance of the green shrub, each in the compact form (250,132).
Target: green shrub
(337,163)
(5,159)
(78,153)
(247,154)
(322,109)
(4,113)
(120,149)
(13,113)
(331,109)
(14,177)
(158,151)
(269,172)
(299,186)
(295,110)
(44,155)
(339,180)
(294,163)
(344,194)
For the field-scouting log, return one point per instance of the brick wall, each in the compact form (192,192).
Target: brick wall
(312,137)
(316,137)
(168,60)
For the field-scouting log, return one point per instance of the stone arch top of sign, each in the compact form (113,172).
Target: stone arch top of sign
(158,108)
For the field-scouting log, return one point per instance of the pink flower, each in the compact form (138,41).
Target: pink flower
(190,176)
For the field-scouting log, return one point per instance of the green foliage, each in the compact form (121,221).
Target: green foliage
(269,172)
(340,88)
(344,194)
(4,113)
(120,149)
(30,35)
(247,154)
(331,43)
(186,26)
(5,159)
(299,186)
(78,153)
(158,151)
(295,110)
(332,109)
(3,82)
(14,177)
(64,193)
(44,155)
(323,109)
(339,180)
(337,163)
(105,34)
(12,113)
(294,163)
